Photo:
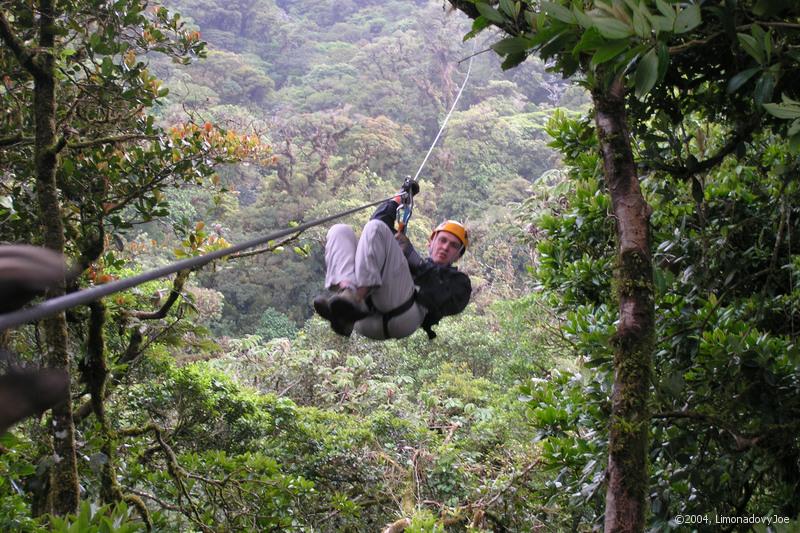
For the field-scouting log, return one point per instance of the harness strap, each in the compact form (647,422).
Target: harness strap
(387,316)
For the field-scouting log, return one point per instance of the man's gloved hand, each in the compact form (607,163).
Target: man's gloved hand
(410,187)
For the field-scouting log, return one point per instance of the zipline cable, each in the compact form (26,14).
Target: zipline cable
(408,205)
(85,296)
(452,107)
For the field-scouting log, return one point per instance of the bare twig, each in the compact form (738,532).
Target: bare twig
(266,249)
(113,139)
(514,479)
(174,294)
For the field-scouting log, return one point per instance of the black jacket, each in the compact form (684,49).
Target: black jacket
(443,290)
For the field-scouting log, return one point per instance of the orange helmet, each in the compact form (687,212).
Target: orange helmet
(457,229)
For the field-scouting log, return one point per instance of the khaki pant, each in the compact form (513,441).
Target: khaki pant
(374,261)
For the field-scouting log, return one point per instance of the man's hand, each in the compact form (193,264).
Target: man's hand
(26,272)
(24,393)
(402,240)
(410,187)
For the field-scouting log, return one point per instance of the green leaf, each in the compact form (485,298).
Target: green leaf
(764,88)
(556,44)
(591,40)
(478,25)
(559,12)
(107,67)
(583,19)
(530,18)
(666,10)
(794,144)
(512,60)
(641,26)
(609,51)
(646,73)
(688,18)
(663,59)
(741,78)
(752,46)
(783,110)
(612,28)
(507,7)
(661,24)
(786,100)
(512,45)
(95,41)
(491,14)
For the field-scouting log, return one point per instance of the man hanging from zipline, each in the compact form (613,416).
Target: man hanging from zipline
(380,285)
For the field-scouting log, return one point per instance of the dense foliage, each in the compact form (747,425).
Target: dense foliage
(725,387)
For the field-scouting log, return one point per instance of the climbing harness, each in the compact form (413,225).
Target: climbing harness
(397,311)
(61,303)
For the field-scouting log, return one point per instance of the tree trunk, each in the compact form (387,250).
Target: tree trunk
(64,482)
(634,341)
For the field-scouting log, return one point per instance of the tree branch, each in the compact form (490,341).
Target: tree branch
(177,473)
(686,172)
(677,49)
(518,476)
(111,140)
(23,54)
(268,248)
(174,294)
(742,441)
(160,502)
(700,42)
(135,344)
(175,470)
(15,139)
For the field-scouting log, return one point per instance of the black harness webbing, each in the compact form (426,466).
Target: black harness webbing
(397,311)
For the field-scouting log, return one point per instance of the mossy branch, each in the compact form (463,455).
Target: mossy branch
(24,55)
(174,294)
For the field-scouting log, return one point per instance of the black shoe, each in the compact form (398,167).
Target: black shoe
(345,329)
(323,309)
(347,307)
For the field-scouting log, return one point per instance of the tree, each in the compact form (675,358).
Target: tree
(641,60)
(724,404)
(77,135)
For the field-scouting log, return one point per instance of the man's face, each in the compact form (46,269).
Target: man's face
(444,248)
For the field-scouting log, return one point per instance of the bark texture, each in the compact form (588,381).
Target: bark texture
(65,493)
(634,339)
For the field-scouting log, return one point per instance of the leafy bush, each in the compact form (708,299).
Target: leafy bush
(275,325)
